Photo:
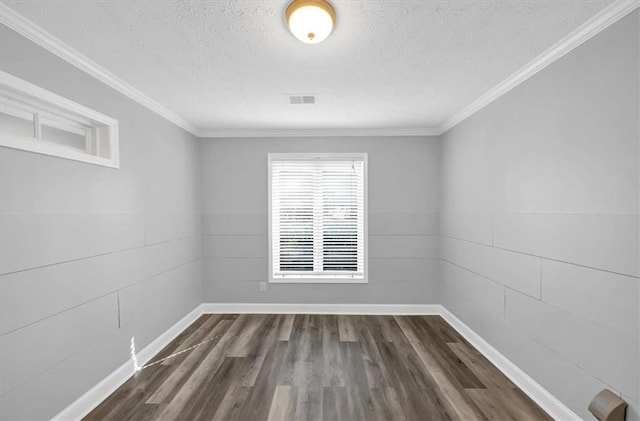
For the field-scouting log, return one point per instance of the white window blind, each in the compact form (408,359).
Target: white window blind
(317,218)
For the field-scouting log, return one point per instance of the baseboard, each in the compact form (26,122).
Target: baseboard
(537,393)
(87,402)
(367,309)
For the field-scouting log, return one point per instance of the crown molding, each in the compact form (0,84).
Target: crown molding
(33,32)
(605,18)
(235,133)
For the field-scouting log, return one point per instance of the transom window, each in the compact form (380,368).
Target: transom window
(317,218)
(36,120)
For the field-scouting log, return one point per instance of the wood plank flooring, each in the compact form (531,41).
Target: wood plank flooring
(318,367)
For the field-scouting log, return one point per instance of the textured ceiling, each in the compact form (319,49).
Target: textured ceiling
(388,64)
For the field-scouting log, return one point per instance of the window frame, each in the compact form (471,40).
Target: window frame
(309,157)
(54,111)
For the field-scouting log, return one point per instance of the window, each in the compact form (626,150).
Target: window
(36,120)
(317,218)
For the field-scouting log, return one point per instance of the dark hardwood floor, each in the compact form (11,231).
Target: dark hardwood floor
(318,367)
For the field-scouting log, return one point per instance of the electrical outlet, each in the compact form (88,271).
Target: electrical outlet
(263,286)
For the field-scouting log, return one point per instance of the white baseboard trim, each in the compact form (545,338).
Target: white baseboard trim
(539,394)
(367,309)
(87,402)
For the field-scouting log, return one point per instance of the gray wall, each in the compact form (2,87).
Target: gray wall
(403,203)
(90,256)
(540,221)
(539,230)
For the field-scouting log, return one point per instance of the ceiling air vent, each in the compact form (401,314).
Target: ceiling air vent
(302,99)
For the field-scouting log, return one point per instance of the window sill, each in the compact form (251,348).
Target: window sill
(58,151)
(319,281)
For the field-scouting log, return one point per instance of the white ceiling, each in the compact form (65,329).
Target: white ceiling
(228,65)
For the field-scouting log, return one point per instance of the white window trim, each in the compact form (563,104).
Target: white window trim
(318,279)
(16,90)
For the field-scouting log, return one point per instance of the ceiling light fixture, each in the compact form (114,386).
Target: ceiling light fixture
(311,21)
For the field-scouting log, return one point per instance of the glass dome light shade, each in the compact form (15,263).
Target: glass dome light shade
(311,21)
